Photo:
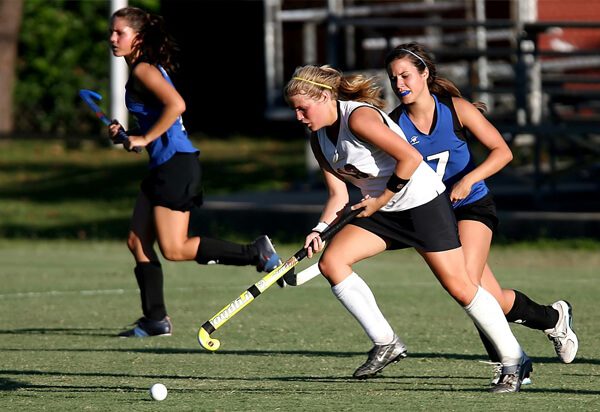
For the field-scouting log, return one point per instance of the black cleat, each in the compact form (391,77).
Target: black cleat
(511,377)
(145,327)
(497,366)
(379,357)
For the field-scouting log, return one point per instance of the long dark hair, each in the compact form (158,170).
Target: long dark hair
(154,44)
(422,60)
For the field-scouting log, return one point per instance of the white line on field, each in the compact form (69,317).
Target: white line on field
(63,293)
(96,292)
(20,295)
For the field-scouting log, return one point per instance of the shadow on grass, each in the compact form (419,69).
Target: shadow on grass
(8,384)
(103,332)
(105,229)
(66,183)
(57,331)
(245,224)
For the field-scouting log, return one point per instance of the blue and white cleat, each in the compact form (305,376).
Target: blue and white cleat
(145,327)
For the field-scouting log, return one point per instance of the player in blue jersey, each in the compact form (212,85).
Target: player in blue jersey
(171,189)
(436,121)
(355,142)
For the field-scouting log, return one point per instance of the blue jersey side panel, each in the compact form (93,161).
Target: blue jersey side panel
(445,149)
(146,111)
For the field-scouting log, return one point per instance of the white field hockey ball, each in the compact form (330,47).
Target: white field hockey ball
(158,391)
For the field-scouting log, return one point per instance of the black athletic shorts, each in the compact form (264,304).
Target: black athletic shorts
(175,184)
(430,227)
(482,210)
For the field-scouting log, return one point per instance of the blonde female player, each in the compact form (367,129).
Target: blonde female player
(405,206)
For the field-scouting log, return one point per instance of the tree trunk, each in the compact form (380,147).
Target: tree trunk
(11,12)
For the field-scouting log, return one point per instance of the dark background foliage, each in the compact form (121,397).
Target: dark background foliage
(62,48)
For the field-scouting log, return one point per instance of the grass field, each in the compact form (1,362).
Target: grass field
(62,302)
(51,190)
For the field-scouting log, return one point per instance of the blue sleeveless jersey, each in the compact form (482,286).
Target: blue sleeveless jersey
(147,109)
(445,149)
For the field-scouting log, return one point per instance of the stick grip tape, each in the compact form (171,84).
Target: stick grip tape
(331,230)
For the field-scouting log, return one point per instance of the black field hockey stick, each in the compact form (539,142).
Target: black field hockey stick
(89,98)
(259,287)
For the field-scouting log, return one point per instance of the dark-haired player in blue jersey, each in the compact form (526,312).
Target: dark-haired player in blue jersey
(171,189)
(436,119)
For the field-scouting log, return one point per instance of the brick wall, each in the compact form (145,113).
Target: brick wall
(571,10)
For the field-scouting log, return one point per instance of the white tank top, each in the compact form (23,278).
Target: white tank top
(368,167)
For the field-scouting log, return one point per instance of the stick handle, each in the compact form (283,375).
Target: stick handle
(331,230)
(88,97)
(212,344)
(123,137)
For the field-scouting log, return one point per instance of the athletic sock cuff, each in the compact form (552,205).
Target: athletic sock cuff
(339,289)
(515,312)
(475,299)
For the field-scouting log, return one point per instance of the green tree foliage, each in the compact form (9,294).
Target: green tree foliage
(63,47)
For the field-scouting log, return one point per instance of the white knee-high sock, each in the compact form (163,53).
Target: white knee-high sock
(487,315)
(357,298)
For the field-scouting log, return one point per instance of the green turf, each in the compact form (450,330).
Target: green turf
(51,190)
(295,349)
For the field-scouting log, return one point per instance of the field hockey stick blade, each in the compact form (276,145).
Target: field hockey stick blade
(303,276)
(90,97)
(218,320)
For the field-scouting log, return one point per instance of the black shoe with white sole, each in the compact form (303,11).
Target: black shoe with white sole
(511,377)
(379,357)
(145,327)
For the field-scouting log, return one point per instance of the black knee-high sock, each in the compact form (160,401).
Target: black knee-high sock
(489,347)
(226,253)
(139,276)
(531,314)
(149,276)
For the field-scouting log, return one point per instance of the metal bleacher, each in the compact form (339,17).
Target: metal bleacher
(544,100)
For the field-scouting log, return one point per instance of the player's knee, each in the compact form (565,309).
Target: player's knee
(326,265)
(133,243)
(172,253)
(462,292)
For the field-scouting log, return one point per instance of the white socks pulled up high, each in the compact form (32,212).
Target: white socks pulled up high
(357,298)
(487,315)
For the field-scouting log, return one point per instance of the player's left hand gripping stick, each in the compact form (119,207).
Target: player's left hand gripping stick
(209,343)
(89,97)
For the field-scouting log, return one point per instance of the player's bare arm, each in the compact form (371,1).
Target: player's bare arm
(499,152)
(367,124)
(174,105)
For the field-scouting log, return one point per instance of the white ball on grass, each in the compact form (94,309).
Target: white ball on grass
(158,391)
